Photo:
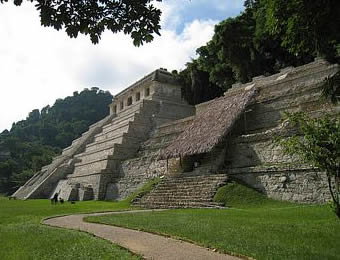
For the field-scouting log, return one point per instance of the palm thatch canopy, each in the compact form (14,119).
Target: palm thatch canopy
(210,127)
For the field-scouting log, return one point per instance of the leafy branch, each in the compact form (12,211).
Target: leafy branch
(317,143)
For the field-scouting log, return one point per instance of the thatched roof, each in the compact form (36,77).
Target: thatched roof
(210,127)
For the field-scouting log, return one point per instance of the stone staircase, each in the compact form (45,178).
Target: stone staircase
(184,192)
(118,140)
(41,184)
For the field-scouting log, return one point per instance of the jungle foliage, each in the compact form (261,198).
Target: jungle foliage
(266,37)
(33,142)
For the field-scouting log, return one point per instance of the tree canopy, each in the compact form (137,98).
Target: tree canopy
(304,27)
(140,19)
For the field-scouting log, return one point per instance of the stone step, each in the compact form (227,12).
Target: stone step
(187,185)
(90,167)
(259,121)
(161,205)
(140,128)
(112,133)
(188,198)
(136,127)
(184,192)
(192,183)
(94,155)
(289,85)
(138,110)
(31,184)
(129,128)
(106,144)
(288,74)
(185,189)
(86,134)
(102,122)
(192,180)
(130,111)
(282,102)
(121,126)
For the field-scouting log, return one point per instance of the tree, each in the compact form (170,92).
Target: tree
(319,145)
(196,87)
(304,27)
(231,49)
(239,50)
(140,19)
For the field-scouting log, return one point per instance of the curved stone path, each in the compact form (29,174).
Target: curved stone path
(150,246)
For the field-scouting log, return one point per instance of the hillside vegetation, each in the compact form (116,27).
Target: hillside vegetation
(33,142)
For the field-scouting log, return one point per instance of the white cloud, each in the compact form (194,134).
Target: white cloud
(39,65)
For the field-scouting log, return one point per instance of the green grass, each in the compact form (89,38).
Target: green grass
(23,237)
(255,227)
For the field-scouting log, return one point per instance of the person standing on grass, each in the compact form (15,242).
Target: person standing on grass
(55,198)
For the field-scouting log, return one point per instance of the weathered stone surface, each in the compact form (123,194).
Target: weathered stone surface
(304,185)
(253,156)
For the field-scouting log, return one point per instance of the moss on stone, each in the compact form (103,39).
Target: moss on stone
(236,195)
(145,189)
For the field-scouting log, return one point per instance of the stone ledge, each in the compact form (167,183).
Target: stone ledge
(271,169)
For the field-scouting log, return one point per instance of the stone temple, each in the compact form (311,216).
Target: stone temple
(152,132)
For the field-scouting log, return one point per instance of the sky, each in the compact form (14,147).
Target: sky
(39,64)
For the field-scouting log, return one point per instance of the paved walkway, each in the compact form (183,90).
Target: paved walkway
(148,245)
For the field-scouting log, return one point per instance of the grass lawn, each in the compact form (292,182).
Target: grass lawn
(23,237)
(254,226)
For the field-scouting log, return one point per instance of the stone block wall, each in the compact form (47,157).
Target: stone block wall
(252,155)
(298,184)
(97,183)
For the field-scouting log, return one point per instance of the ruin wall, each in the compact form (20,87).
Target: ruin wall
(256,160)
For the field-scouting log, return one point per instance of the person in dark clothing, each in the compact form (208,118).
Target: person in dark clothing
(55,198)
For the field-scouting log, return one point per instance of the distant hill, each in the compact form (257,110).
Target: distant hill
(33,142)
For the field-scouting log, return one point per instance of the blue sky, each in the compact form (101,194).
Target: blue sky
(39,65)
(217,10)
